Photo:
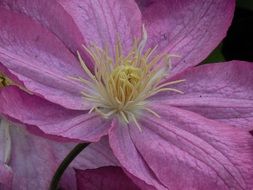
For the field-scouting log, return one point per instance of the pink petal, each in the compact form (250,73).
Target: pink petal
(109,178)
(98,154)
(33,160)
(55,19)
(5,170)
(29,153)
(104,158)
(2,142)
(130,159)
(139,182)
(68,180)
(184,149)
(5,176)
(51,118)
(38,59)
(189,29)
(101,22)
(222,92)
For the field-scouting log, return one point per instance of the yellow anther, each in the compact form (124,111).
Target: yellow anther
(124,80)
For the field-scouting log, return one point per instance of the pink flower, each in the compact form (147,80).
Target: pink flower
(161,138)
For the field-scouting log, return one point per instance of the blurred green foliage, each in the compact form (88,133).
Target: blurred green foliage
(215,56)
(245,4)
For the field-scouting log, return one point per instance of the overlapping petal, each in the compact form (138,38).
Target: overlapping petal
(40,60)
(184,149)
(5,171)
(45,13)
(102,22)
(101,151)
(5,176)
(29,156)
(51,118)
(221,91)
(130,159)
(62,25)
(32,156)
(189,29)
(110,178)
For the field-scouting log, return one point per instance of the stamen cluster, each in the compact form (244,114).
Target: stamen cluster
(121,85)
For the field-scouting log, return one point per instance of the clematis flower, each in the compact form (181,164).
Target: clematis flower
(90,69)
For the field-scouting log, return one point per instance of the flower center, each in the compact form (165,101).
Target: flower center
(125,81)
(121,85)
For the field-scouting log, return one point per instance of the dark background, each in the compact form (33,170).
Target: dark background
(238,45)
